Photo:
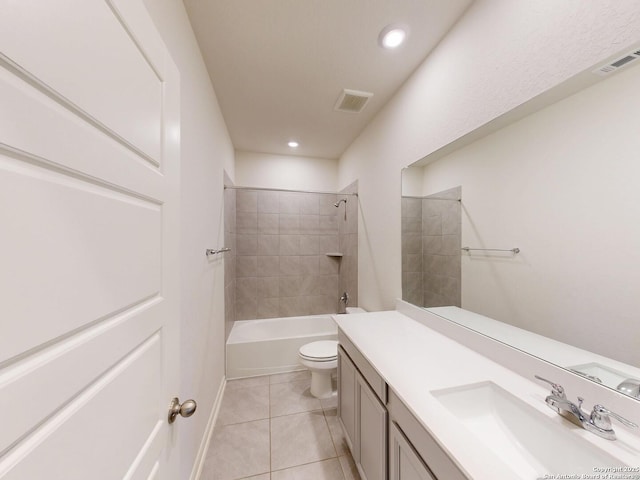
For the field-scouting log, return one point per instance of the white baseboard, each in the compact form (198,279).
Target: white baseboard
(206,439)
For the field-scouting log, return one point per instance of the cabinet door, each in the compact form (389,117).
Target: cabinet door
(347,400)
(404,462)
(371,423)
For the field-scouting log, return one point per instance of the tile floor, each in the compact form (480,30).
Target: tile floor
(271,428)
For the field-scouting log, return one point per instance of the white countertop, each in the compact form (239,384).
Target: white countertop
(415,360)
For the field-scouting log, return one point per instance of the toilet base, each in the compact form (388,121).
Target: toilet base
(321,385)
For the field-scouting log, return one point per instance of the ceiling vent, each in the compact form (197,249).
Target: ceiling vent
(352,101)
(617,64)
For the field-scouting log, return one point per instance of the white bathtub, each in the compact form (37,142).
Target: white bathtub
(261,347)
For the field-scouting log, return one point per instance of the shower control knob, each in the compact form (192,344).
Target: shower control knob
(186,409)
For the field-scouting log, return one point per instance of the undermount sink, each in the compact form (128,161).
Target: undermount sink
(528,442)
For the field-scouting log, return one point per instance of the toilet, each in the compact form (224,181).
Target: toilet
(321,358)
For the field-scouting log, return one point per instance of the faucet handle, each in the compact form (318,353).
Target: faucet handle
(600,418)
(556,388)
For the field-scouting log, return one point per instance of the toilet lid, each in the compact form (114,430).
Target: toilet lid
(324,349)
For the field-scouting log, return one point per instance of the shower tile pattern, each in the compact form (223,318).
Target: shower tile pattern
(271,427)
(431,232)
(282,269)
(441,230)
(348,244)
(230,259)
(412,286)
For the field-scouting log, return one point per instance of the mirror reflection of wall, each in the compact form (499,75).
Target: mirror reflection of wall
(562,185)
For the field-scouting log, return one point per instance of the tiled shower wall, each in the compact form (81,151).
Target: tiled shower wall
(412,286)
(348,244)
(431,267)
(281,266)
(229,257)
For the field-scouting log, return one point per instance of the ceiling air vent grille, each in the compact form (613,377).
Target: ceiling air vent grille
(352,101)
(619,63)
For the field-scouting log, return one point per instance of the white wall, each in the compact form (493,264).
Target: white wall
(206,150)
(413,182)
(286,172)
(499,55)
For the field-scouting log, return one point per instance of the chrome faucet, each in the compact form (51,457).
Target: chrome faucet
(344,300)
(630,387)
(598,421)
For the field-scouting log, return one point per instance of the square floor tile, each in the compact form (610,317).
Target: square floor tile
(299,439)
(325,470)
(292,397)
(238,451)
(291,376)
(244,405)
(246,382)
(330,402)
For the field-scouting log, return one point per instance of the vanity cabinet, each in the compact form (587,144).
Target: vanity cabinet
(363,417)
(404,462)
(413,452)
(385,439)
(371,430)
(347,398)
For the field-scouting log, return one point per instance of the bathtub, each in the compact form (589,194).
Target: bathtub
(262,347)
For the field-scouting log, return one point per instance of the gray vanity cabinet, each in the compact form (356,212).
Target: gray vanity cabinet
(371,428)
(413,452)
(364,419)
(347,398)
(404,462)
(385,439)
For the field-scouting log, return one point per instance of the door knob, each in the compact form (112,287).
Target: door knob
(186,409)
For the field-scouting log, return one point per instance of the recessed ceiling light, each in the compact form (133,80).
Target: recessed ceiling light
(392,36)
(293,144)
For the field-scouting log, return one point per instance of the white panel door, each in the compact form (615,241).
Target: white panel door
(89,278)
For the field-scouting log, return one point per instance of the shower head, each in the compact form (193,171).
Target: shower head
(337,204)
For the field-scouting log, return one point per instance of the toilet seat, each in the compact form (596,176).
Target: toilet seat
(321,351)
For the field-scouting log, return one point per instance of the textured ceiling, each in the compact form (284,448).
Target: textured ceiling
(278,66)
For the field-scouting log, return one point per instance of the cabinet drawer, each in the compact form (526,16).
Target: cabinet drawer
(438,461)
(369,373)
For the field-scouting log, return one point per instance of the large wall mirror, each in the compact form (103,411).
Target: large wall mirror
(561,185)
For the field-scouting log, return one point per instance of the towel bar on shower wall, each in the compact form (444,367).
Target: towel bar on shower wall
(512,250)
(211,251)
